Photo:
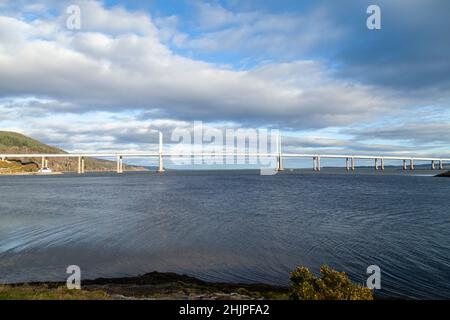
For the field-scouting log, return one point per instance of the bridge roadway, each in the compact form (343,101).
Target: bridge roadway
(349,163)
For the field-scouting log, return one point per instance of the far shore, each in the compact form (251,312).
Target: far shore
(437,173)
(60,172)
(30,174)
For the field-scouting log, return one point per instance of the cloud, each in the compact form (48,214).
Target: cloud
(261,34)
(409,53)
(108,85)
(417,133)
(124,65)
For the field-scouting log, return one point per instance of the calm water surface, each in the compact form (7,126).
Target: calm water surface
(224,226)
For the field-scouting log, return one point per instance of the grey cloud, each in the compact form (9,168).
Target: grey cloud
(100,72)
(313,143)
(418,133)
(126,68)
(307,142)
(410,53)
(261,34)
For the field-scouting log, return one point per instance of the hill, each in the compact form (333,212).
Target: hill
(13,142)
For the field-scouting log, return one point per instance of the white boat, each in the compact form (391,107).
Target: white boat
(45,170)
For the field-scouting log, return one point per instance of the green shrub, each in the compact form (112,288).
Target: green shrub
(332,285)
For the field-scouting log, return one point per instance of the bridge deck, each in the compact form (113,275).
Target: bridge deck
(156,154)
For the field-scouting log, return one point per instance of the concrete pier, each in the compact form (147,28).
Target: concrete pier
(316,163)
(441,165)
(160,155)
(353,163)
(79,165)
(404,164)
(432,165)
(280,163)
(376,164)
(43,162)
(119,164)
(382,164)
(161,164)
(411,164)
(280,157)
(82,165)
(347,165)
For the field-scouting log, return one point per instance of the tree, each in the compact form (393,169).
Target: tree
(332,285)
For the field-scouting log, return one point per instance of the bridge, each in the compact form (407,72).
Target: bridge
(379,160)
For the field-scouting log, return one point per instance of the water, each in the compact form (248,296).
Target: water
(223,226)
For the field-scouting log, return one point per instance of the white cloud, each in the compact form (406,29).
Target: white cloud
(95,69)
(261,34)
(115,20)
(118,71)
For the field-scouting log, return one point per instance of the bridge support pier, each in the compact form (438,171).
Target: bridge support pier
(161,164)
(382,164)
(411,164)
(376,164)
(82,165)
(279,158)
(280,163)
(119,164)
(316,163)
(441,165)
(347,166)
(432,165)
(161,160)
(404,164)
(79,165)
(353,164)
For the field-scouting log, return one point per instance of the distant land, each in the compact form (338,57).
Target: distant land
(12,142)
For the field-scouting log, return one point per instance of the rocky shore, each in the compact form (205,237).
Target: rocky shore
(154,285)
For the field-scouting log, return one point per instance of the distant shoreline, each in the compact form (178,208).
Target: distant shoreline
(435,173)
(63,172)
(31,174)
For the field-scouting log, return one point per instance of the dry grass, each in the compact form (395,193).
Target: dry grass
(42,292)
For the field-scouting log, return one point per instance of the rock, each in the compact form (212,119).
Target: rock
(445,174)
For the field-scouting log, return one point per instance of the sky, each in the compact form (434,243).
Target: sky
(311,69)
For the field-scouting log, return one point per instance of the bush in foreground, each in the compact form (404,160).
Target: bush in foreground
(332,285)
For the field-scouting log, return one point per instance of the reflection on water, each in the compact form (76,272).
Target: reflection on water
(229,227)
